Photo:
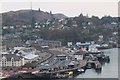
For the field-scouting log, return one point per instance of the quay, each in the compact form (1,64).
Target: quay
(82,65)
(53,65)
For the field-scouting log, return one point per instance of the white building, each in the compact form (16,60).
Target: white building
(11,60)
(69,44)
(79,55)
(50,43)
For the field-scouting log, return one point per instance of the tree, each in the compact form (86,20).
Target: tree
(107,19)
(96,21)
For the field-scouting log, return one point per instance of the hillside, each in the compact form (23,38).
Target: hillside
(59,16)
(28,16)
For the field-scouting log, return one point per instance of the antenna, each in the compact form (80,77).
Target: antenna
(31,5)
(32,16)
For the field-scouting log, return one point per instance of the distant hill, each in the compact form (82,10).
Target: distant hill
(31,16)
(28,16)
(59,16)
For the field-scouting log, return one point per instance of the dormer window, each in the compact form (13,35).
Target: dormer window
(3,58)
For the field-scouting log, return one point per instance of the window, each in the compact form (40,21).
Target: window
(2,63)
(12,62)
(5,63)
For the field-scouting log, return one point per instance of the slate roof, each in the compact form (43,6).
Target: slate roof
(77,53)
(9,56)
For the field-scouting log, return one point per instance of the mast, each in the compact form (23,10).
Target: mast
(32,16)
(31,6)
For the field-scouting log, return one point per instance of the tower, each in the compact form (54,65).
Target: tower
(32,17)
(50,12)
(39,10)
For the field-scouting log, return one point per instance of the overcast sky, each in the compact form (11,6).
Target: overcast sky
(68,8)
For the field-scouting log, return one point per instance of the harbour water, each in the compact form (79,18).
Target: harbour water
(109,70)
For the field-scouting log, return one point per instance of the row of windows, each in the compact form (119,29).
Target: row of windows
(6,60)
(5,63)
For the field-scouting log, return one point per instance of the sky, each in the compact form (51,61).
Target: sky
(70,8)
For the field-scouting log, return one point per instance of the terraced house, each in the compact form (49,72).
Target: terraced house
(11,60)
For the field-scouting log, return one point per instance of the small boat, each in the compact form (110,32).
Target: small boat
(68,74)
(88,66)
(80,70)
(103,58)
(60,76)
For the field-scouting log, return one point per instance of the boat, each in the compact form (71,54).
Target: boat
(68,74)
(88,66)
(103,46)
(80,70)
(60,76)
(93,50)
(103,58)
